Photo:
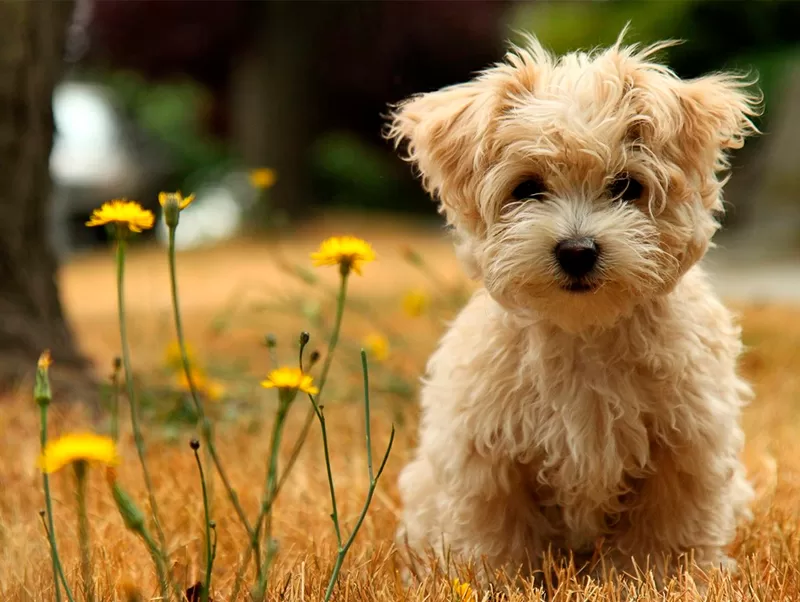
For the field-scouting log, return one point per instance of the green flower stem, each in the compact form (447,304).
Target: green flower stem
(115,400)
(209,553)
(373,480)
(57,569)
(206,429)
(158,560)
(132,401)
(81,468)
(134,520)
(270,487)
(309,419)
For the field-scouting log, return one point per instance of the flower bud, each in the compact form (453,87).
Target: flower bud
(41,390)
(131,515)
(172,209)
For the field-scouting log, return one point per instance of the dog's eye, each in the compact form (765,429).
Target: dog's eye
(625,188)
(529,189)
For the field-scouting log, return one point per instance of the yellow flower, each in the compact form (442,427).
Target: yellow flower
(415,303)
(76,447)
(347,251)
(172,356)
(263,178)
(290,379)
(183,203)
(208,387)
(463,591)
(121,212)
(377,345)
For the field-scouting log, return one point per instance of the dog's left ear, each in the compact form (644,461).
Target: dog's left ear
(716,112)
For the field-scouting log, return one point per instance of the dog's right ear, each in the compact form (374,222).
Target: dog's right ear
(445,132)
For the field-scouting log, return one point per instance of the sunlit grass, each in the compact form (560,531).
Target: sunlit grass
(228,343)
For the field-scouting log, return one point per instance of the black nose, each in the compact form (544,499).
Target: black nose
(577,256)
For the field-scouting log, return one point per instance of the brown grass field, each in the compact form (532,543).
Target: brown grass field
(231,297)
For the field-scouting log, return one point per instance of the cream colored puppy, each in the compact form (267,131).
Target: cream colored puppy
(589,390)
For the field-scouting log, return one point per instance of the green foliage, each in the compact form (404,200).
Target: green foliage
(172,112)
(358,173)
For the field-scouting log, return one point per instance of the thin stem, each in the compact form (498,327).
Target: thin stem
(270,487)
(298,447)
(209,554)
(373,482)
(337,327)
(367,429)
(334,512)
(60,571)
(206,429)
(115,401)
(132,401)
(57,569)
(83,531)
(158,560)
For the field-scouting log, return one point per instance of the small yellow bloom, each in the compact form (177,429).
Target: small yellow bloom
(76,447)
(183,203)
(172,356)
(123,213)
(463,591)
(347,251)
(290,379)
(263,178)
(415,303)
(208,387)
(377,345)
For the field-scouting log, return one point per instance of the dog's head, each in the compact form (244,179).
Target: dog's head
(578,186)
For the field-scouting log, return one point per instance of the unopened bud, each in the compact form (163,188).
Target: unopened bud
(41,389)
(131,515)
(171,203)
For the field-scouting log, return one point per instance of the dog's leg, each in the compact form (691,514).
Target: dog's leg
(480,516)
(689,507)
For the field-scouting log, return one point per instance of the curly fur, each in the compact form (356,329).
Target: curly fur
(552,418)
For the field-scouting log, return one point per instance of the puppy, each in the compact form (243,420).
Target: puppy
(588,392)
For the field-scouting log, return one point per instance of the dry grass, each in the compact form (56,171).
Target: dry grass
(768,551)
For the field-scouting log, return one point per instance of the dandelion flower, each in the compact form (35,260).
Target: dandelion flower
(263,178)
(182,202)
(415,303)
(77,447)
(348,252)
(290,379)
(123,213)
(173,358)
(377,345)
(208,387)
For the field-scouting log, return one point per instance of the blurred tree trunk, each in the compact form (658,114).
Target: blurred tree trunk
(32,37)
(272,118)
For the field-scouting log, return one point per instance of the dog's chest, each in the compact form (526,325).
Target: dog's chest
(592,415)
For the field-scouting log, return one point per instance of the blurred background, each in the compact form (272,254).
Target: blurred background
(272,114)
(179,94)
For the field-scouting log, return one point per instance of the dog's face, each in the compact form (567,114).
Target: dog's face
(578,186)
